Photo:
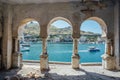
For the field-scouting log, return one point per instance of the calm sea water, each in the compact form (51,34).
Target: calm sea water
(63,52)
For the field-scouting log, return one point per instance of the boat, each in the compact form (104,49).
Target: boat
(93,49)
(23,49)
(25,45)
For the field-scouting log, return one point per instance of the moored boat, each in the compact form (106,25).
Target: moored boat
(25,49)
(93,49)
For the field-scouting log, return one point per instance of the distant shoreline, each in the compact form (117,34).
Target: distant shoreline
(65,43)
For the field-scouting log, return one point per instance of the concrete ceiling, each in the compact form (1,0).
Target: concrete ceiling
(34,1)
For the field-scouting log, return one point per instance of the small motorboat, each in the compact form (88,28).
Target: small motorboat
(93,49)
(23,49)
(25,45)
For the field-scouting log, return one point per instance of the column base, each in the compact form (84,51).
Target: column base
(20,64)
(17,60)
(108,62)
(44,66)
(75,61)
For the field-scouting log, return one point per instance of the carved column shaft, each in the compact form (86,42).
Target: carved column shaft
(44,56)
(16,44)
(44,47)
(108,61)
(75,56)
(109,49)
(75,46)
(17,56)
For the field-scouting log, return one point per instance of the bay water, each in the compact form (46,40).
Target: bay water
(62,52)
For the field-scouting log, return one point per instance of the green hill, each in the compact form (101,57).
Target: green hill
(53,30)
(67,30)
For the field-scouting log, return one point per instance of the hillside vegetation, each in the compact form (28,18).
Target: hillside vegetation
(34,30)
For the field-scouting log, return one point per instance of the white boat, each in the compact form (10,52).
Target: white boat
(23,49)
(25,45)
(93,49)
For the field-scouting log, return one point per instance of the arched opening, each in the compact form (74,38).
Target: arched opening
(60,40)
(92,40)
(29,39)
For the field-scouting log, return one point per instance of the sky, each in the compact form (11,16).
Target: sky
(88,26)
(60,24)
(91,26)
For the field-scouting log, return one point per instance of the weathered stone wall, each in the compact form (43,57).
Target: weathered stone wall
(107,15)
(117,33)
(7,37)
(43,13)
(0,34)
(0,20)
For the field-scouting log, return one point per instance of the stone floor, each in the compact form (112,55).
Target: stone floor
(61,72)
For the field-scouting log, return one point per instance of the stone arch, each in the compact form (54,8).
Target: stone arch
(58,18)
(17,56)
(23,23)
(108,45)
(63,19)
(102,24)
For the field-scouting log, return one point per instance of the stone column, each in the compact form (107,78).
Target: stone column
(117,33)
(75,56)
(17,55)
(108,60)
(7,37)
(44,56)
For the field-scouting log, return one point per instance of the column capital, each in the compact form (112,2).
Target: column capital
(44,38)
(75,38)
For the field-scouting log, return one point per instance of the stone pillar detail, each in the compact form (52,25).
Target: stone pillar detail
(17,55)
(7,38)
(108,60)
(117,33)
(44,47)
(44,56)
(75,56)
(109,49)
